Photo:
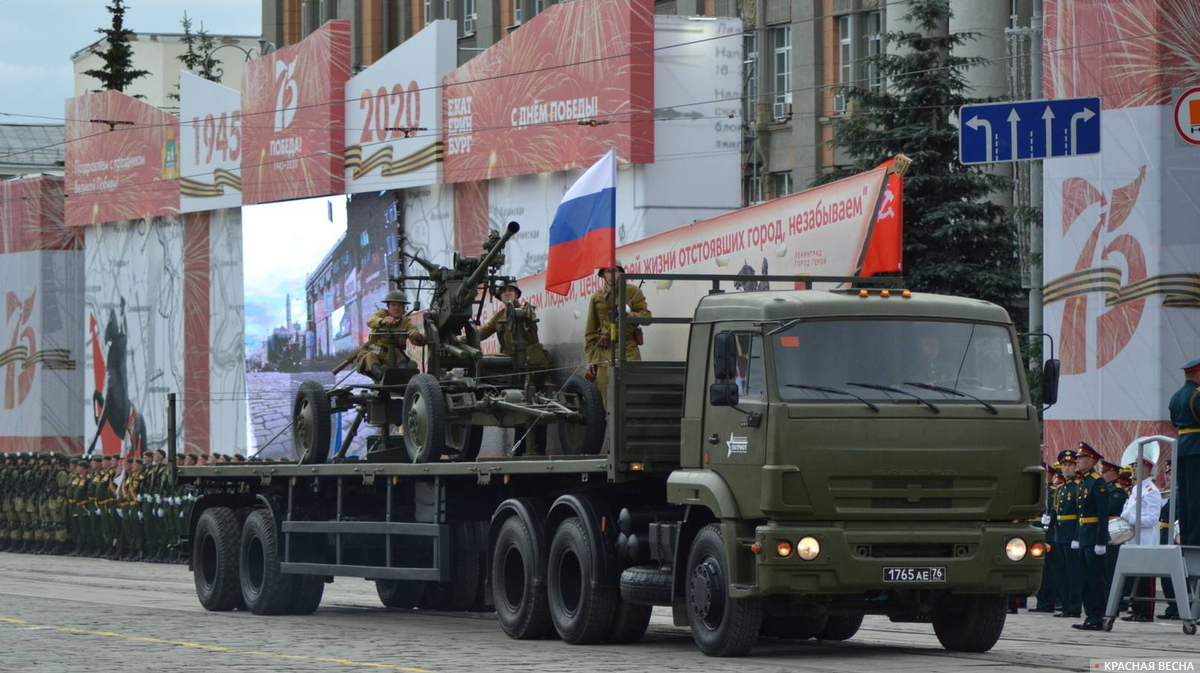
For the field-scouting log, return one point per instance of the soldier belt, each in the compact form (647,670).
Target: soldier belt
(1188,431)
(1090,519)
(1164,525)
(1068,517)
(1113,518)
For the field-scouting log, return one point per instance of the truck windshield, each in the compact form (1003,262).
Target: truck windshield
(896,360)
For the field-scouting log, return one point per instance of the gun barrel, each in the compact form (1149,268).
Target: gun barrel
(468,287)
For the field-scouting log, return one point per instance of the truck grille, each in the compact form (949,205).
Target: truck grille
(862,494)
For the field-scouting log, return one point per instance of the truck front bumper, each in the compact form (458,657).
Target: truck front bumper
(854,560)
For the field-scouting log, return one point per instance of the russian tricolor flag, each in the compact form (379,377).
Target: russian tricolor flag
(582,235)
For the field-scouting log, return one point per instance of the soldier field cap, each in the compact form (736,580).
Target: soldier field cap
(1086,449)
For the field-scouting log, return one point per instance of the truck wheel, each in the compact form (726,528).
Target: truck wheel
(306,597)
(644,585)
(840,627)
(457,595)
(464,440)
(215,560)
(424,419)
(721,626)
(582,613)
(969,623)
(266,590)
(520,598)
(630,624)
(311,425)
(586,438)
(400,594)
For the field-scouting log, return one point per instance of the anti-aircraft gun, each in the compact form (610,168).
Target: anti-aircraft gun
(444,409)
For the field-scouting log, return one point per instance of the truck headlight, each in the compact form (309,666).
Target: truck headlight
(1015,549)
(808,548)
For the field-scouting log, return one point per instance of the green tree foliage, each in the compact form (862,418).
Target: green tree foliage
(197,56)
(956,241)
(117,72)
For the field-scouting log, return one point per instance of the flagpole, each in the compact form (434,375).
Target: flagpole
(616,331)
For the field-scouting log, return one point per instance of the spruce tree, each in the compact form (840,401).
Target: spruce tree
(956,241)
(117,72)
(197,55)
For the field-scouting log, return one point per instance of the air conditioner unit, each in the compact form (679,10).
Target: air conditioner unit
(839,104)
(782,112)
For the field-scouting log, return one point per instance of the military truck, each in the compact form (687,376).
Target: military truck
(817,457)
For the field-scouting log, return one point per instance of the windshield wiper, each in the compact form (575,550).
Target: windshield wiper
(889,389)
(824,389)
(952,391)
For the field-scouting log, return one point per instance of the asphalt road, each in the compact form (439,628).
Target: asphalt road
(65,614)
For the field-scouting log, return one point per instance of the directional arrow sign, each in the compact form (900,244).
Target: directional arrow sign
(1027,130)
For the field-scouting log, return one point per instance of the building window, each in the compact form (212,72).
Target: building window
(468,17)
(754,188)
(782,41)
(428,12)
(782,183)
(447,8)
(845,55)
(364,240)
(750,44)
(874,48)
(539,6)
(516,5)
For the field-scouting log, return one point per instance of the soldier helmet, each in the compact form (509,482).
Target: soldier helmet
(506,285)
(395,296)
(616,265)
(239,457)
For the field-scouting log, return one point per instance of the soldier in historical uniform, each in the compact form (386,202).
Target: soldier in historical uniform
(1184,409)
(373,357)
(1066,526)
(1092,538)
(601,332)
(536,357)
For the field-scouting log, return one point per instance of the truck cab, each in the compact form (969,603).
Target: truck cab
(855,452)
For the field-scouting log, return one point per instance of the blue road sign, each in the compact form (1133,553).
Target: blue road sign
(1038,129)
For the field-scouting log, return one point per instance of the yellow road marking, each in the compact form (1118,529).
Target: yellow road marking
(213,648)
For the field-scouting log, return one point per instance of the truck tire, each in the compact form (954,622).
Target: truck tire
(424,419)
(630,624)
(969,623)
(519,595)
(215,560)
(582,612)
(400,594)
(265,589)
(311,424)
(646,585)
(840,627)
(306,597)
(721,626)
(587,438)
(457,595)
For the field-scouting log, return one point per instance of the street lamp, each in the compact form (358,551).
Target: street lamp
(264,48)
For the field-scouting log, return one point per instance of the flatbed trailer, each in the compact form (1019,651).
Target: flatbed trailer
(746,507)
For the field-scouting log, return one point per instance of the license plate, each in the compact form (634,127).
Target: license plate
(914,574)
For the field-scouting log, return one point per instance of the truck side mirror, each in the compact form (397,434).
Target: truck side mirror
(1050,382)
(723,395)
(724,356)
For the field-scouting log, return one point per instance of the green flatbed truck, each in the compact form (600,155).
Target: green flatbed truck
(817,457)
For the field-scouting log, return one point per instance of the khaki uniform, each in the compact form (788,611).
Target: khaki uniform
(597,349)
(376,349)
(535,355)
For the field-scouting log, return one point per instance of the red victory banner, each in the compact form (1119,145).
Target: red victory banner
(575,81)
(293,118)
(122,159)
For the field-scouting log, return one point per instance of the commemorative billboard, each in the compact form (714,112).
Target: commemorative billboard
(293,114)
(210,134)
(573,82)
(122,159)
(394,113)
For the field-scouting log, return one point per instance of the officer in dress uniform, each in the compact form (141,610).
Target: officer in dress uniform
(1150,498)
(1066,518)
(1091,540)
(1164,535)
(1117,495)
(1185,415)
(600,335)
(1047,594)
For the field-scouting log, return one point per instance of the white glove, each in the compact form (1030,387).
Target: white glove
(97,512)
(120,514)
(1045,519)
(139,516)
(160,511)
(138,498)
(157,498)
(1100,550)
(1074,544)
(177,500)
